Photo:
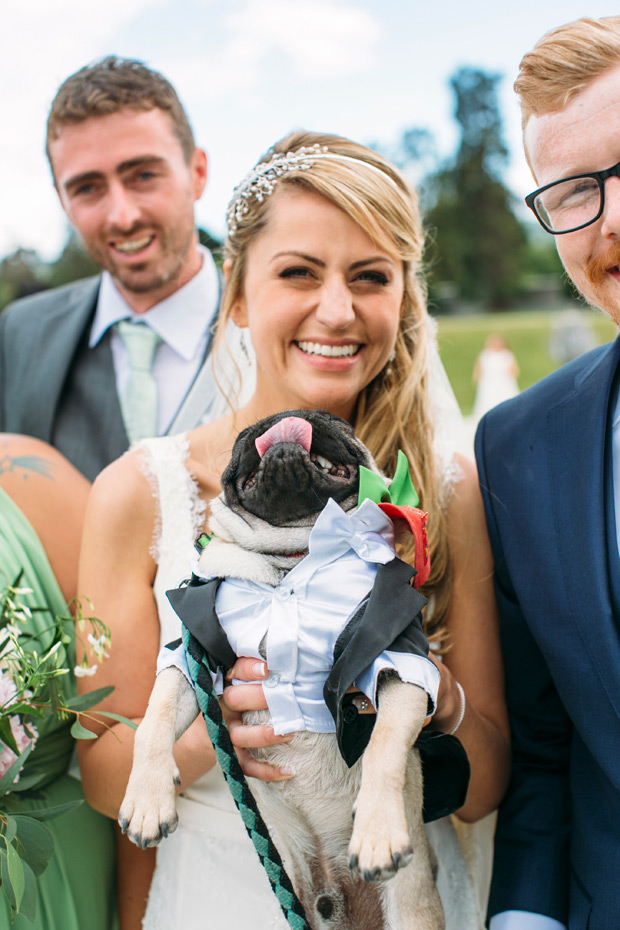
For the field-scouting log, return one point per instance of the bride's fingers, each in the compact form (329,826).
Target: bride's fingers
(256,736)
(244,697)
(247,669)
(262,770)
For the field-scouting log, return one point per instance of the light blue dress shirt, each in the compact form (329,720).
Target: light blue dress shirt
(182,321)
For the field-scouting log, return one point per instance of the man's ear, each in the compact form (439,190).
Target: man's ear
(199,172)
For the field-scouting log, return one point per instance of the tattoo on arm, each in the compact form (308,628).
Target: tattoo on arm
(26,463)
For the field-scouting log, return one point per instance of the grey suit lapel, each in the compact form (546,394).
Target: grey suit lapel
(62,327)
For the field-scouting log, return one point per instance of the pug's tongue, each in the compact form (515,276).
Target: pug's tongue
(290,429)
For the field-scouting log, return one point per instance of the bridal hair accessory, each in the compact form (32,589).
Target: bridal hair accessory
(262,179)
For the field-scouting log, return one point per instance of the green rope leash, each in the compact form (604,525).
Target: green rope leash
(242,796)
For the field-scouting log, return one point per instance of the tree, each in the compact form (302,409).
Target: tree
(21,273)
(479,244)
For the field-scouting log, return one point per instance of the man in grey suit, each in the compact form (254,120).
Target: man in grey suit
(127,173)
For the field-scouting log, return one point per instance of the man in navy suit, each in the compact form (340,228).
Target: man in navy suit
(549,465)
(127,173)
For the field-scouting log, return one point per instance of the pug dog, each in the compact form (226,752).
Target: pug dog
(349,824)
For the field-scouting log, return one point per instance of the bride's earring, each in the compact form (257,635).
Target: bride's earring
(387,371)
(244,349)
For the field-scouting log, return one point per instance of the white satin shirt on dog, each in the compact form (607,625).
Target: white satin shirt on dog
(302,618)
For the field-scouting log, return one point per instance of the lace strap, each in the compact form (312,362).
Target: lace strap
(180,511)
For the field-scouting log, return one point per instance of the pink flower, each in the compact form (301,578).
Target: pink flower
(22,738)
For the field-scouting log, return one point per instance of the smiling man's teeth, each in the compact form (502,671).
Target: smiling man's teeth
(134,246)
(317,348)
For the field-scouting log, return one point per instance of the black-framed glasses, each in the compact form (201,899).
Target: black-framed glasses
(572,203)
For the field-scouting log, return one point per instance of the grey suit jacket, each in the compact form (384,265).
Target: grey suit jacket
(56,388)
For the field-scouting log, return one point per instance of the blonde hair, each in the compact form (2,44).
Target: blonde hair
(393,411)
(564,62)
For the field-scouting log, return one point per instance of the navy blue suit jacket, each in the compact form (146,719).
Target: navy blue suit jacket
(545,472)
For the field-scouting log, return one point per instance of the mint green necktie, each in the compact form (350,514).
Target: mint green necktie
(139,400)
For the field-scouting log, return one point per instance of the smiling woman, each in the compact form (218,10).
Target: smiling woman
(322,269)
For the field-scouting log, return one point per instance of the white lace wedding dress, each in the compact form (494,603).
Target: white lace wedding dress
(208,873)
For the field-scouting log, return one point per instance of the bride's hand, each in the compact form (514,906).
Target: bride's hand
(239,698)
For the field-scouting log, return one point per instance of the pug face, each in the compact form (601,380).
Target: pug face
(284,469)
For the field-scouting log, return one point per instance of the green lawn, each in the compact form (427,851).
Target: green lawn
(527,334)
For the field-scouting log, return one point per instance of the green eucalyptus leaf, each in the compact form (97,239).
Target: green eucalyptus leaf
(16,874)
(84,701)
(28,907)
(6,782)
(35,843)
(28,780)
(26,709)
(6,734)
(49,813)
(80,732)
(119,717)
(11,829)
(7,887)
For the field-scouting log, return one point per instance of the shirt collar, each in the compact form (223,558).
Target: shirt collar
(181,320)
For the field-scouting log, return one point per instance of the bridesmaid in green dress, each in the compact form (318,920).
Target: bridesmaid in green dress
(42,502)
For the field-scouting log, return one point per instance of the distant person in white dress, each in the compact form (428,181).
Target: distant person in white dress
(495,375)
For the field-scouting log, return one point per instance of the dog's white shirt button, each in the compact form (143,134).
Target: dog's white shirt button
(283,594)
(272,680)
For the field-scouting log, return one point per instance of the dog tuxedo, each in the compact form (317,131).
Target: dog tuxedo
(346,612)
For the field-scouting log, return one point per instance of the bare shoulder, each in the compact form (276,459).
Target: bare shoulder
(25,457)
(122,497)
(465,501)
(466,525)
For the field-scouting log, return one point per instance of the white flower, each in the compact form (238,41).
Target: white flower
(99,644)
(81,672)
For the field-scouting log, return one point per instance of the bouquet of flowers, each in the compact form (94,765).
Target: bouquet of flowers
(33,689)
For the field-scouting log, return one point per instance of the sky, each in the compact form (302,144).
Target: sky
(250,71)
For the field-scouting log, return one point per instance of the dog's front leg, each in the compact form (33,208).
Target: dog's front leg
(148,811)
(381,841)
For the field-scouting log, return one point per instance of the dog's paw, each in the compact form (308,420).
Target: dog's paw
(380,844)
(148,812)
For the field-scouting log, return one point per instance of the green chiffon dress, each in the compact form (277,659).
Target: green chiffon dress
(77,889)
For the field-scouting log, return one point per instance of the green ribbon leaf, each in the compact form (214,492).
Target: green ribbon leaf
(400,491)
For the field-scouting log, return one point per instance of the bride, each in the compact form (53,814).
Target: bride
(322,273)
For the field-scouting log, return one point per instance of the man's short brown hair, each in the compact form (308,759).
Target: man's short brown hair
(113,84)
(564,62)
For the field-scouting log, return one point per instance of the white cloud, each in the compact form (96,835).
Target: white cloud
(322,38)
(43,43)
(312,39)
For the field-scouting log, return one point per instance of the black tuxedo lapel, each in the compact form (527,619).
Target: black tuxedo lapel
(577,483)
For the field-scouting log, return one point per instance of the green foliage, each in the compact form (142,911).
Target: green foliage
(21,273)
(72,264)
(478,243)
(33,685)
